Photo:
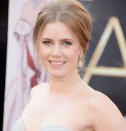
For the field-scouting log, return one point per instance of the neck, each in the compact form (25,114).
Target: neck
(63,85)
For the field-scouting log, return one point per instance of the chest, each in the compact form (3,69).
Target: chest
(64,112)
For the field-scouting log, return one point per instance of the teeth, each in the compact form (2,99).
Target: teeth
(57,63)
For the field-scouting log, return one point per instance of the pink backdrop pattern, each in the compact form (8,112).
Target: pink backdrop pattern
(21,71)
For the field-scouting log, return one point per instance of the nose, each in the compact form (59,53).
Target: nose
(56,51)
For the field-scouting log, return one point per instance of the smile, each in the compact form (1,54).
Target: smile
(57,63)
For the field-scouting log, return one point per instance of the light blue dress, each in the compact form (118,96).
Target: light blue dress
(19,126)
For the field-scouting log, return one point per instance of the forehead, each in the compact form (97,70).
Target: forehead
(57,29)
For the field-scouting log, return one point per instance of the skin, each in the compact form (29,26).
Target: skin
(67,101)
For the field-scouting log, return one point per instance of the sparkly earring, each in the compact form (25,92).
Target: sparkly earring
(80,64)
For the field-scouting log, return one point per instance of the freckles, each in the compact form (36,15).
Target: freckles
(42,50)
(42,54)
(74,52)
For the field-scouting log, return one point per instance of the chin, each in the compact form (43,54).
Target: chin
(57,74)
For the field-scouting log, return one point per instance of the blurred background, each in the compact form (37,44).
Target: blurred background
(3,50)
(105,62)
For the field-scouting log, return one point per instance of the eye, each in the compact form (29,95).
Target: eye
(46,42)
(67,43)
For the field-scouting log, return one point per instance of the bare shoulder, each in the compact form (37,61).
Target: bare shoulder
(105,112)
(30,107)
(99,100)
(38,88)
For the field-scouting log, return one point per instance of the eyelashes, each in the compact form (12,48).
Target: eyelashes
(66,43)
(46,42)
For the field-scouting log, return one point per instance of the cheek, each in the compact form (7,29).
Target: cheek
(43,54)
(73,55)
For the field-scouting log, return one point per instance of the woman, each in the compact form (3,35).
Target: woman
(61,36)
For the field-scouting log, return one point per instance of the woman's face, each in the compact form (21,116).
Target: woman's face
(59,49)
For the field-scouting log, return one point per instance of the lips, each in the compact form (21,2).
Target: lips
(57,63)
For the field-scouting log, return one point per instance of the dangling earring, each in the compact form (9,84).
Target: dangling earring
(80,64)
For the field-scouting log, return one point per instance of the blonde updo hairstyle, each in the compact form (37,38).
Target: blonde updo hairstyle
(70,12)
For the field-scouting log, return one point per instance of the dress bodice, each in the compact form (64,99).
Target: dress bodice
(19,126)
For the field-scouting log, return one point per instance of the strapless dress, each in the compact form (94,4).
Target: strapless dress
(19,126)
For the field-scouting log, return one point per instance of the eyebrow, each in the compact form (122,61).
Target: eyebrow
(64,39)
